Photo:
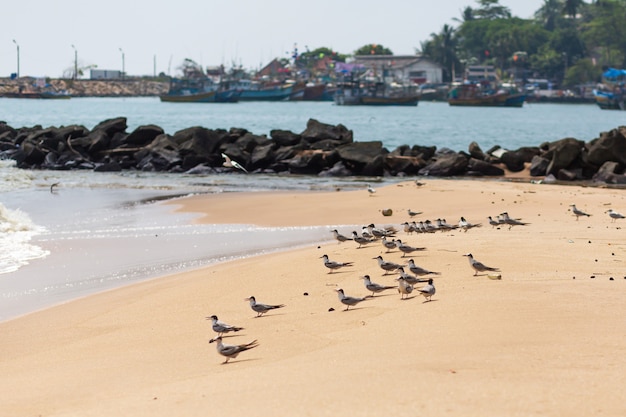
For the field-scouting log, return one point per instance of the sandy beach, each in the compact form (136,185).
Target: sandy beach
(547,339)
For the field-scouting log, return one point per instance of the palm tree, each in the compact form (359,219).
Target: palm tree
(441,48)
(549,13)
(570,7)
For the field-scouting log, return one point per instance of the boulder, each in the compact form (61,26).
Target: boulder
(446,165)
(360,153)
(409,165)
(285,137)
(610,146)
(562,154)
(478,167)
(199,141)
(112,126)
(143,135)
(316,131)
(312,162)
(538,166)
(475,152)
(337,170)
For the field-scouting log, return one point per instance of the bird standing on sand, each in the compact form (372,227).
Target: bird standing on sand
(479,266)
(404,288)
(231,351)
(578,212)
(404,248)
(388,244)
(229,163)
(220,327)
(419,270)
(387,266)
(465,225)
(332,265)
(510,221)
(374,287)
(361,240)
(428,290)
(412,213)
(261,308)
(348,301)
(371,190)
(411,279)
(614,215)
(340,238)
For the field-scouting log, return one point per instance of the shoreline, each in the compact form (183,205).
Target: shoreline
(523,345)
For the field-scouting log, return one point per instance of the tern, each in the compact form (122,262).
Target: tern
(404,248)
(231,351)
(413,213)
(404,288)
(374,287)
(220,327)
(389,244)
(361,240)
(428,290)
(348,301)
(614,215)
(340,238)
(334,265)
(387,266)
(419,270)
(378,232)
(578,212)
(493,222)
(408,277)
(465,225)
(511,222)
(479,266)
(229,163)
(261,308)
(370,189)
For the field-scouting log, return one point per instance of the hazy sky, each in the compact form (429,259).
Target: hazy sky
(244,32)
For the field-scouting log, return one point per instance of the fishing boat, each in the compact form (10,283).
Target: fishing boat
(251,90)
(611,95)
(53,95)
(482,95)
(352,92)
(199,91)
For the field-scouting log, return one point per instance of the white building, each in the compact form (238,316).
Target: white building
(99,74)
(403,68)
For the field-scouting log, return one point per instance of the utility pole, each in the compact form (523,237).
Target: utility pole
(18,57)
(75,62)
(123,64)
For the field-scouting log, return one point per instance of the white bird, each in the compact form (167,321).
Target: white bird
(493,222)
(419,270)
(378,232)
(370,189)
(349,301)
(374,287)
(408,277)
(389,244)
(578,212)
(387,266)
(479,266)
(404,248)
(511,222)
(465,225)
(339,236)
(220,327)
(332,265)
(404,288)
(229,163)
(413,213)
(261,308)
(428,290)
(614,215)
(231,351)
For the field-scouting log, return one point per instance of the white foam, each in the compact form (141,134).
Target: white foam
(12,178)
(16,232)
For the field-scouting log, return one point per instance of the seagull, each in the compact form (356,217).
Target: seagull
(479,266)
(387,266)
(261,308)
(334,265)
(231,351)
(360,239)
(614,215)
(511,222)
(374,287)
(577,212)
(220,327)
(413,213)
(348,301)
(389,244)
(229,163)
(465,225)
(370,189)
(340,238)
(428,290)
(404,248)
(404,288)
(420,271)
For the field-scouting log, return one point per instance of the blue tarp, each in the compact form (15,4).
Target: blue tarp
(613,73)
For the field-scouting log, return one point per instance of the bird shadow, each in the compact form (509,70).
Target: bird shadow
(408,298)
(428,301)
(268,315)
(238,361)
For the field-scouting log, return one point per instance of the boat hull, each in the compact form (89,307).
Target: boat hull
(495,100)
(228,96)
(609,101)
(267,94)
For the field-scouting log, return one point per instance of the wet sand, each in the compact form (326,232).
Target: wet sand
(545,339)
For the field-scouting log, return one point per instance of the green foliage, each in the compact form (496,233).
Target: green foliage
(581,72)
(373,49)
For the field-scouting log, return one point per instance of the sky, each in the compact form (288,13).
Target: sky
(147,36)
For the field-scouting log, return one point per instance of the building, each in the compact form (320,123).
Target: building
(98,74)
(402,68)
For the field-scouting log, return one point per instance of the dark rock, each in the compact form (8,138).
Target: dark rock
(99,141)
(609,174)
(446,165)
(337,170)
(316,131)
(360,153)
(409,165)
(538,166)
(374,168)
(514,161)
(112,126)
(567,175)
(480,167)
(423,152)
(285,137)
(611,146)
(108,167)
(312,162)
(262,156)
(562,154)
(475,151)
(143,135)
(248,142)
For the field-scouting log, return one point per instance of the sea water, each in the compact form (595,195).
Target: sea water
(96,231)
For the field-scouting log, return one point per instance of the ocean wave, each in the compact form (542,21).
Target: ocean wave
(16,232)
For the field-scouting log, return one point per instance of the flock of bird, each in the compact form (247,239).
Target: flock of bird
(406,282)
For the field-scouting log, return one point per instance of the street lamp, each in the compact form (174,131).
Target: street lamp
(75,62)
(18,58)
(123,63)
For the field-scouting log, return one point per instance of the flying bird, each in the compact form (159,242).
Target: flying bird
(229,163)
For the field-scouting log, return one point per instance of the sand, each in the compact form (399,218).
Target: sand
(547,339)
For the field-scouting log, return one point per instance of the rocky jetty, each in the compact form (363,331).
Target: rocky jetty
(321,149)
(130,87)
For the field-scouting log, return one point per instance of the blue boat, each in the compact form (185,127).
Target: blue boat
(258,91)
(199,91)
(612,96)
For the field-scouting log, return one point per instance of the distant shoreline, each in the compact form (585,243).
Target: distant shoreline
(130,87)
